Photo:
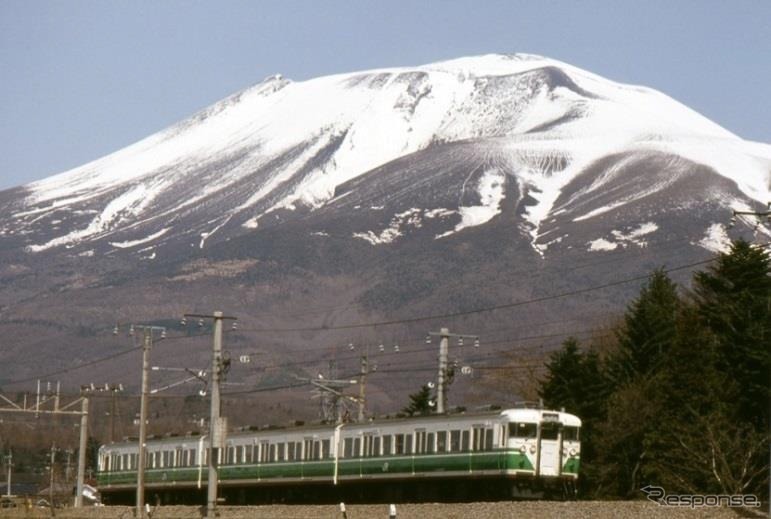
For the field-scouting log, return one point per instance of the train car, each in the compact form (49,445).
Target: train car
(507,454)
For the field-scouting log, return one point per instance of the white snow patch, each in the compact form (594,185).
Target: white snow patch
(320,233)
(410,217)
(134,243)
(543,247)
(251,223)
(491,194)
(634,235)
(716,238)
(86,253)
(602,244)
(624,239)
(439,212)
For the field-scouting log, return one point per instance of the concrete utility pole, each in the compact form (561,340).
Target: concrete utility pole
(83,445)
(217,423)
(51,481)
(147,344)
(9,465)
(441,382)
(363,385)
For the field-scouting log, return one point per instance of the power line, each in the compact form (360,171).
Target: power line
(92,362)
(473,311)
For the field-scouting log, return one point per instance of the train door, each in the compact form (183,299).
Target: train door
(549,449)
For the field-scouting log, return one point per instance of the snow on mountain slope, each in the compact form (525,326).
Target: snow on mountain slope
(283,145)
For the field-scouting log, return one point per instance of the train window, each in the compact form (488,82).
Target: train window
(376,446)
(523,430)
(408,443)
(570,434)
(420,441)
(272,452)
(348,448)
(479,438)
(316,450)
(441,441)
(264,451)
(488,439)
(308,452)
(550,430)
(290,455)
(465,440)
(357,447)
(387,442)
(325,448)
(454,441)
(398,444)
(280,451)
(134,461)
(431,445)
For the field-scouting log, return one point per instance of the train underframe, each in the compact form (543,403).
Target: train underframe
(446,489)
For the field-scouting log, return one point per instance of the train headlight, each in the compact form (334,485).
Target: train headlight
(573,452)
(532,449)
(523,449)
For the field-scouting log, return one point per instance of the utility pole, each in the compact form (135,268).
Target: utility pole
(217,423)
(363,384)
(83,445)
(9,465)
(147,344)
(444,342)
(51,480)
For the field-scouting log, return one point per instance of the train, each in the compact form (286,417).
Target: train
(519,452)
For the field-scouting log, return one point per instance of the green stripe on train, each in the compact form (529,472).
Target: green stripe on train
(391,465)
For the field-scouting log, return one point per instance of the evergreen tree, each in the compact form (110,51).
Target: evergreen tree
(648,331)
(733,298)
(420,402)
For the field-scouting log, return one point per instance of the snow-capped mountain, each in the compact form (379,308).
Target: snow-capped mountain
(389,189)
(535,122)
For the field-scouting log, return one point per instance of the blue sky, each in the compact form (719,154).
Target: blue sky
(81,79)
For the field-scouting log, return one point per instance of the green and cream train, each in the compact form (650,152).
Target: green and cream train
(521,452)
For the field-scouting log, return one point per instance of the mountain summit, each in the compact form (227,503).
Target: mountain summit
(280,145)
(384,193)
